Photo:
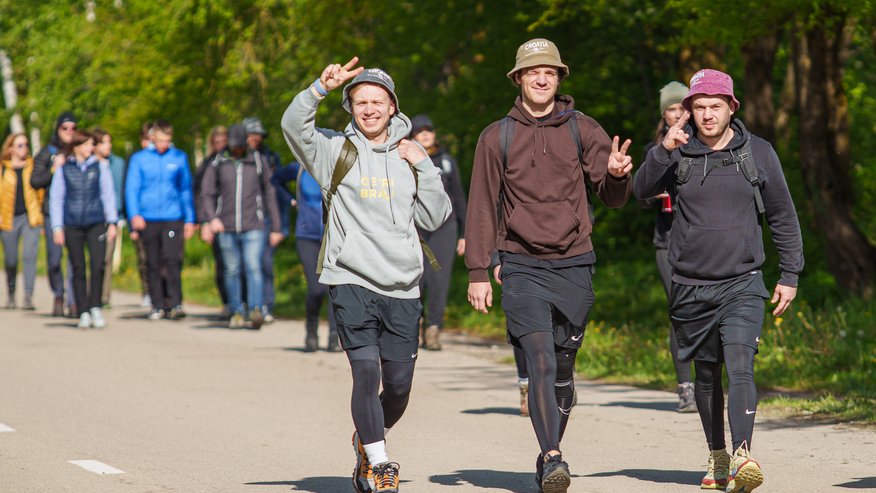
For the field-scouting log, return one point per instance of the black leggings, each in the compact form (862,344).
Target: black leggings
(551,387)
(742,395)
(372,412)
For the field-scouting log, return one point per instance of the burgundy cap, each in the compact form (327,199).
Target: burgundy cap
(712,83)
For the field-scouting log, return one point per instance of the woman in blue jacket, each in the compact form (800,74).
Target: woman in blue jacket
(82,204)
(308,237)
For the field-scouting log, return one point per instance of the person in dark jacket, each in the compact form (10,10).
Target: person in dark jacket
(725,182)
(671,111)
(445,242)
(308,237)
(255,139)
(83,213)
(217,142)
(104,152)
(42,179)
(237,196)
(529,201)
(158,201)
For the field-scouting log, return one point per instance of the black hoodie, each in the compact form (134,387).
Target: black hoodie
(42,163)
(716,233)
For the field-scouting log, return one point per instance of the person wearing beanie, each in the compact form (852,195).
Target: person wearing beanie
(671,111)
(447,241)
(41,179)
(529,201)
(724,181)
(255,138)
(379,188)
(236,197)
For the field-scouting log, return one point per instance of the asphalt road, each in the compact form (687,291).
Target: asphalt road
(193,407)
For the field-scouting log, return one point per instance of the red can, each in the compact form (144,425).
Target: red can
(667,203)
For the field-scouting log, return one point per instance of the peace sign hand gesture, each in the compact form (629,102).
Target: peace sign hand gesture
(676,136)
(619,163)
(336,74)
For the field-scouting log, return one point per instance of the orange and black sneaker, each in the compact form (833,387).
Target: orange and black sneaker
(745,473)
(362,476)
(386,477)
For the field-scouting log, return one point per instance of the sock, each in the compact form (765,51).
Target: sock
(523,382)
(376,452)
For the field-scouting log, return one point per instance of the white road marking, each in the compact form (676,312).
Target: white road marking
(4,428)
(96,467)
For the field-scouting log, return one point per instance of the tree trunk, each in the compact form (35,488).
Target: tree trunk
(819,53)
(760,114)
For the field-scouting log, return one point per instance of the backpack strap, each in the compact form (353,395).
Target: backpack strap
(430,255)
(745,163)
(684,170)
(576,138)
(343,165)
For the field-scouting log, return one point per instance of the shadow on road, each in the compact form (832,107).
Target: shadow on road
(795,422)
(63,325)
(313,485)
(494,410)
(860,484)
(655,475)
(516,482)
(652,405)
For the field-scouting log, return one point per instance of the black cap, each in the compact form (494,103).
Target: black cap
(420,122)
(237,136)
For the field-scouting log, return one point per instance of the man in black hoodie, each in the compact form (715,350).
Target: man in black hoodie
(41,178)
(725,181)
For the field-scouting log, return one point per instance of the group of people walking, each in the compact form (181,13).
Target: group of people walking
(381,214)
(529,221)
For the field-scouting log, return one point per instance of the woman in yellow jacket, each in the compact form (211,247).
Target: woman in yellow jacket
(21,215)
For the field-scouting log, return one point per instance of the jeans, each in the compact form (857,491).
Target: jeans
(243,248)
(23,232)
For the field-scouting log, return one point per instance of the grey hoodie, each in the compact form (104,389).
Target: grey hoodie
(371,236)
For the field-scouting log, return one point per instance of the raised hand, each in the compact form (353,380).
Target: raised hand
(336,74)
(619,163)
(676,136)
(410,151)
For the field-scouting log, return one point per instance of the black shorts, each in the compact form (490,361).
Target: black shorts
(547,299)
(707,318)
(366,318)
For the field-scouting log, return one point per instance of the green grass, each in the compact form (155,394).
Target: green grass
(825,346)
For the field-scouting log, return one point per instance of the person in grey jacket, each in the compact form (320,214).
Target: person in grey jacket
(236,194)
(372,261)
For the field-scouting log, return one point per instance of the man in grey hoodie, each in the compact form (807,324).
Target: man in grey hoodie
(372,258)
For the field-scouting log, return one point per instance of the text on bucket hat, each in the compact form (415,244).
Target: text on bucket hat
(672,93)
(535,52)
(254,126)
(373,76)
(711,83)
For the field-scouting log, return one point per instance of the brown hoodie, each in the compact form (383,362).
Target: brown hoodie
(544,212)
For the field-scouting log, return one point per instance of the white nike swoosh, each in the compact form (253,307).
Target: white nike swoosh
(576,339)
(413,355)
(750,412)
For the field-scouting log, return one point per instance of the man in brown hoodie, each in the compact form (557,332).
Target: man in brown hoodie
(529,202)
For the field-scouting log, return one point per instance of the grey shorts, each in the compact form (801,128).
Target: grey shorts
(707,318)
(366,318)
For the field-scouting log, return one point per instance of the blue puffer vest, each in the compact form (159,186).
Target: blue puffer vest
(82,205)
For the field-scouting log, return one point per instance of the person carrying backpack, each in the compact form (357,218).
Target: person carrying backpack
(725,182)
(529,200)
(378,187)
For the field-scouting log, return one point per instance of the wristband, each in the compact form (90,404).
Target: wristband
(319,89)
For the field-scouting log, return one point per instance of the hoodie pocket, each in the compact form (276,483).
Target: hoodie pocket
(388,260)
(546,226)
(715,252)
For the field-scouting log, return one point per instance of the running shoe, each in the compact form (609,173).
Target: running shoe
(155,314)
(719,468)
(256,319)
(432,336)
(386,477)
(237,321)
(555,477)
(28,302)
(363,478)
(97,320)
(524,399)
(58,307)
(176,313)
(686,401)
(745,473)
(85,321)
(334,344)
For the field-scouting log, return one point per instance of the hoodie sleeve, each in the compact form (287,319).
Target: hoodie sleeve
(280,178)
(482,216)
(185,191)
(271,200)
(57,199)
(650,178)
(41,177)
(132,187)
(432,207)
(108,193)
(316,149)
(208,193)
(614,192)
(782,219)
